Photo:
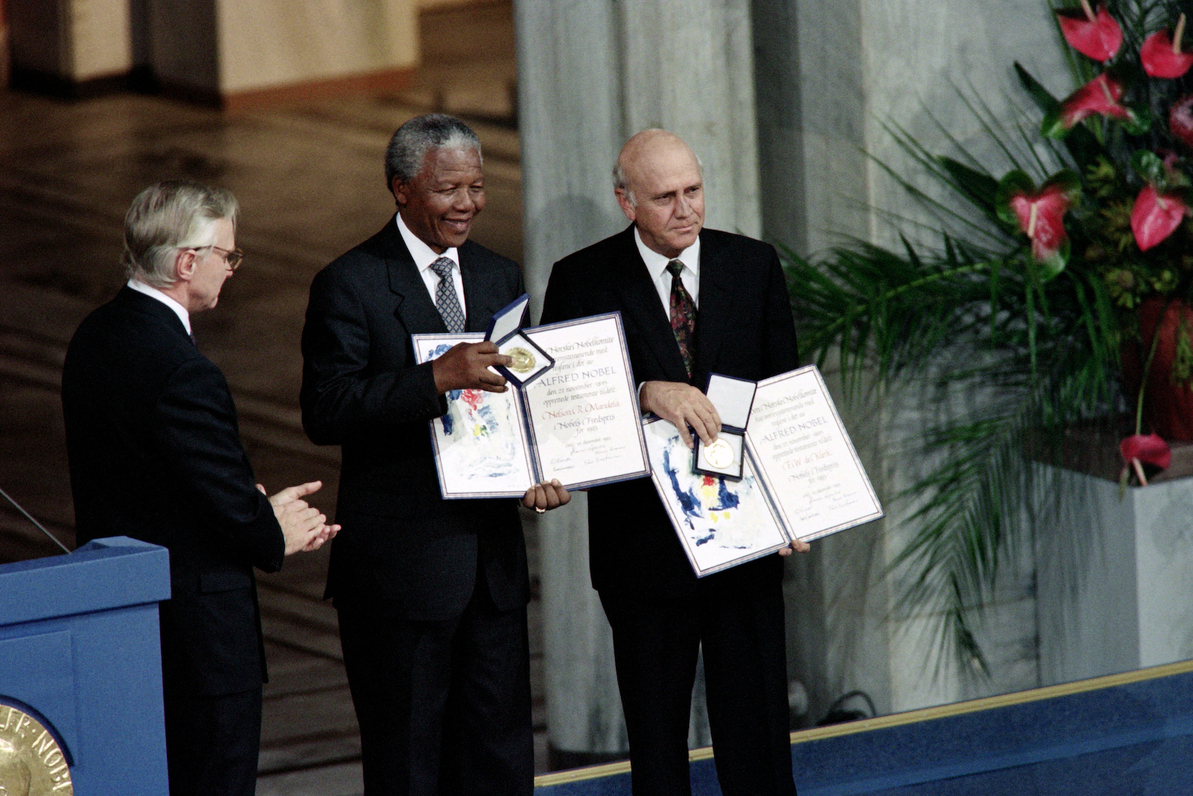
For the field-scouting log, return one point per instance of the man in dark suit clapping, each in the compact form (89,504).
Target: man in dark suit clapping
(431,594)
(693,301)
(155,454)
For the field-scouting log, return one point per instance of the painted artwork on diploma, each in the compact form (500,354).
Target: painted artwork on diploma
(480,441)
(720,522)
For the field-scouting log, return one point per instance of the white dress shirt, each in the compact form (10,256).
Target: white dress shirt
(154,293)
(656,266)
(424,255)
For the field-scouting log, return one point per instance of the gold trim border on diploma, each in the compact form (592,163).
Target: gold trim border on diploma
(30,759)
(900,719)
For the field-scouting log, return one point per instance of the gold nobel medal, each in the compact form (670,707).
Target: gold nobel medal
(523,360)
(719,454)
(30,760)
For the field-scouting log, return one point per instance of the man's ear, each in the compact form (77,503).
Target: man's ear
(401,191)
(185,261)
(623,199)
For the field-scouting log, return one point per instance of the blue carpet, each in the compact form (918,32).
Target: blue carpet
(1118,736)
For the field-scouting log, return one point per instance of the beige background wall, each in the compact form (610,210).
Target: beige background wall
(216,48)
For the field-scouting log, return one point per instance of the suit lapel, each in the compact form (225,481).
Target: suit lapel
(415,308)
(481,296)
(644,311)
(715,314)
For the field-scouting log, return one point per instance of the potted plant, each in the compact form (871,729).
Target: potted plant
(1058,285)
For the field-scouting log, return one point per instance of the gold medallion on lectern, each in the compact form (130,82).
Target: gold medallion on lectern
(523,360)
(719,454)
(31,763)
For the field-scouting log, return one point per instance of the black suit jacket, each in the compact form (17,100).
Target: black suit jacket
(744,328)
(362,390)
(155,454)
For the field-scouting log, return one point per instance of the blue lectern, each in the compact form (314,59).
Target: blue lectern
(80,652)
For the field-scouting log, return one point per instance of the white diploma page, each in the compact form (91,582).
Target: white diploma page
(804,455)
(583,413)
(720,522)
(480,444)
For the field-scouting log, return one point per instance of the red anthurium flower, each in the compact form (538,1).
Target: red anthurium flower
(1155,216)
(1100,95)
(1180,120)
(1096,35)
(1041,217)
(1140,449)
(1161,54)
(1039,214)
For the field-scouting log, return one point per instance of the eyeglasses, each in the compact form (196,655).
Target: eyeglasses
(232,257)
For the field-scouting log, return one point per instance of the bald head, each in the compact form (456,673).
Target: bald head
(660,187)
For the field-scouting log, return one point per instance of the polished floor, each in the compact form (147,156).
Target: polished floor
(309,179)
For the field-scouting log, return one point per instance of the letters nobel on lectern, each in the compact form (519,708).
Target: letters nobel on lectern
(800,476)
(575,419)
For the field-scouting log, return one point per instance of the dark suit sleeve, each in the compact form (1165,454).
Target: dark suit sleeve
(352,384)
(197,432)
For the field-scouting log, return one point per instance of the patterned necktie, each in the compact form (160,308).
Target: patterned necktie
(683,316)
(445,296)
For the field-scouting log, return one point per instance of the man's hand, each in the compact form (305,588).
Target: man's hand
(798,546)
(682,405)
(465,366)
(304,526)
(546,496)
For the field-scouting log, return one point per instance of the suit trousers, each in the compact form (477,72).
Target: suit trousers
(212,743)
(656,642)
(443,706)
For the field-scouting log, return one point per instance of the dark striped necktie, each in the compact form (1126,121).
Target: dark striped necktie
(683,316)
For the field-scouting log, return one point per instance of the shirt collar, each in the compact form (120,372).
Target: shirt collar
(423,254)
(154,293)
(656,263)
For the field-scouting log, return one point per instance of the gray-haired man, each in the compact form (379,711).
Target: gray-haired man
(431,594)
(155,454)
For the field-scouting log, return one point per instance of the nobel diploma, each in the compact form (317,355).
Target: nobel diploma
(577,421)
(806,458)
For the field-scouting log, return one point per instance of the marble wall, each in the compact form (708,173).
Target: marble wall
(832,76)
(905,64)
(920,59)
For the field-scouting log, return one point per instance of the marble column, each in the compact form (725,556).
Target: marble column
(811,99)
(590,74)
(570,127)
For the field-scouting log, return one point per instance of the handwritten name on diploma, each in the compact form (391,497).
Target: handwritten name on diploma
(568,417)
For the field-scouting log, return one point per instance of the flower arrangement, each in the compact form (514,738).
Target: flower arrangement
(1132,174)
(1049,290)
(1122,209)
